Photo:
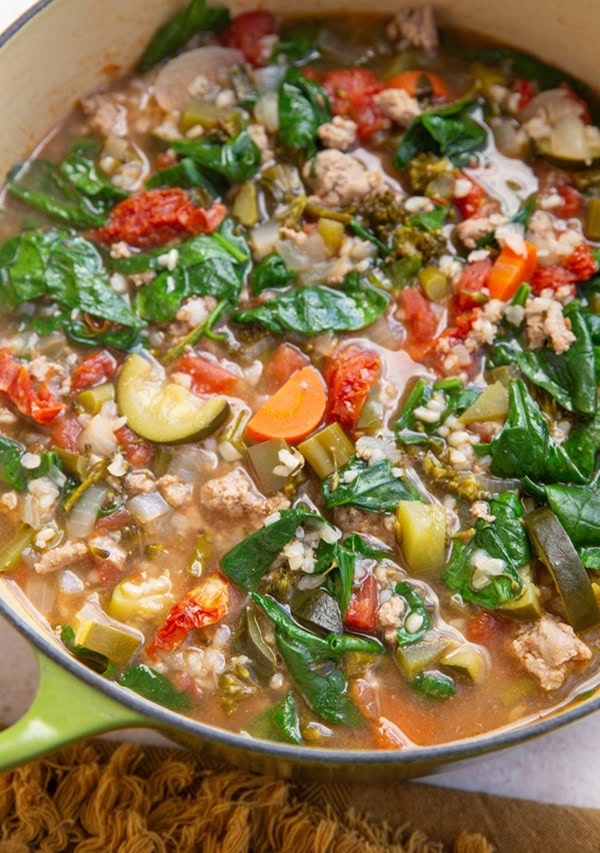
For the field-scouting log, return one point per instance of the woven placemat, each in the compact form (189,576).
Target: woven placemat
(101,796)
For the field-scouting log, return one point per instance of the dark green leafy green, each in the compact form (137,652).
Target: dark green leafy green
(432,220)
(12,472)
(449,130)
(172,36)
(187,174)
(248,561)
(570,377)
(456,399)
(374,488)
(155,687)
(270,274)
(303,107)
(345,555)
(578,510)
(433,685)
(237,159)
(297,46)
(414,604)
(279,722)
(524,446)
(317,308)
(503,539)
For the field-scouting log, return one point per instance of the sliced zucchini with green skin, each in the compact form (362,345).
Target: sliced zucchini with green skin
(555,549)
(412,659)
(467,661)
(114,643)
(164,411)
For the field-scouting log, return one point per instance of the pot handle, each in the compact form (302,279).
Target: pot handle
(63,710)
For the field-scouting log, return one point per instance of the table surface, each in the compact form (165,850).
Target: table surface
(561,767)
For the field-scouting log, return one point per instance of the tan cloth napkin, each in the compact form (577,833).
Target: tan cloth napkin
(99,796)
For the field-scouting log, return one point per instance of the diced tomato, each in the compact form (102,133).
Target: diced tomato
(205,605)
(287,360)
(115,521)
(245,33)
(474,277)
(484,629)
(470,203)
(351,92)
(526,90)
(350,374)
(582,263)
(207,376)
(136,450)
(65,433)
(17,384)
(572,201)
(412,81)
(94,369)
(462,324)
(420,320)
(165,159)
(360,615)
(156,217)
(553,278)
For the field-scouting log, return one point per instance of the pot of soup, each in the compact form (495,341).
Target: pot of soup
(298,377)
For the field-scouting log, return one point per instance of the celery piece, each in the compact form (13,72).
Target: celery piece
(416,657)
(115,643)
(465,660)
(421,530)
(327,450)
(527,606)
(76,464)
(491,405)
(264,458)
(591,222)
(434,283)
(12,551)
(92,399)
(245,205)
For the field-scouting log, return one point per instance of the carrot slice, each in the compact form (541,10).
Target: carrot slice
(510,270)
(294,411)
(410,82)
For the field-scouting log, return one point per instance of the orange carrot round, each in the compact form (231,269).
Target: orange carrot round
(294,411)
(510,270)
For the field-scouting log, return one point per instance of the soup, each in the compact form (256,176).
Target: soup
(298,375)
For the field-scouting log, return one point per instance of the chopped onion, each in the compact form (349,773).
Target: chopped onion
(266,111)
(99,434)
(82,518)
(497,485)
(268,79)
(568,139)
(554,104)
(188,461)
(148,508)
(264,238)
(173,81)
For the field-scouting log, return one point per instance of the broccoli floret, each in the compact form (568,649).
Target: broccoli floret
(408,241)
(380,213)
(236,683)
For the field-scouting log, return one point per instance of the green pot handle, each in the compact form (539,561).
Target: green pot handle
(63,710)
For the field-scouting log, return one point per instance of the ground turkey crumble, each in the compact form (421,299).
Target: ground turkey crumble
(234,498)
(340,180)
(547,648)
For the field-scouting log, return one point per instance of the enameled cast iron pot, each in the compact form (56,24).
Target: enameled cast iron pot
(62,49)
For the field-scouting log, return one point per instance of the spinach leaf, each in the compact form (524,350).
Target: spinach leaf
(453,396)
(303,107)
(66,268)
(310,663)
(590,557)
(186,174)
(433,685)
(570,377)
(155,687)
(279,722)
(433,220)
(11,470)
(504,539)
(374,488)
(297,46)
(447,130)
(270,274)
(578,510)
(172,36)
(414,604)
(317,308)
(79,167)
(524,447)
(345,555)
(237,159)
(248,561)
